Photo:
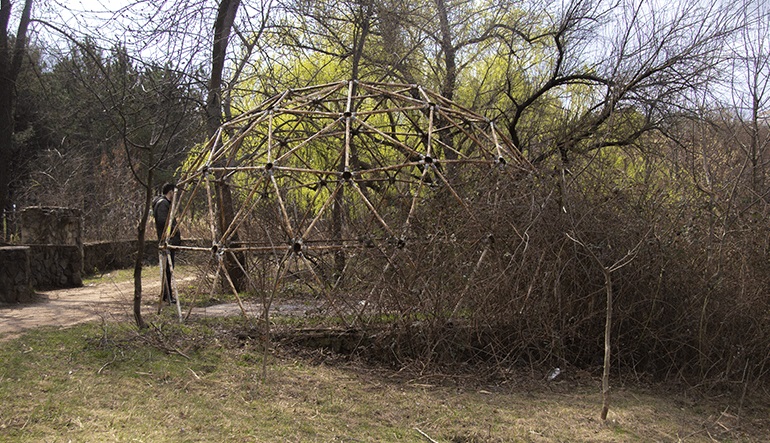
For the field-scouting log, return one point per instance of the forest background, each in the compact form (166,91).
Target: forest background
(646,123)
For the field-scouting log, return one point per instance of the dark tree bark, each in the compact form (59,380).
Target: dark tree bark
(11,54)
(450,52)
(222,27)
(361,33)
(141,235)
(450,65)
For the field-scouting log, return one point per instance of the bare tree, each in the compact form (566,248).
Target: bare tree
(607,271)
(630,61)
(175,35)
(148,115)
(749,123)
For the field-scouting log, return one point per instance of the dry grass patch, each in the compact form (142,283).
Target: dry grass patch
(201,382)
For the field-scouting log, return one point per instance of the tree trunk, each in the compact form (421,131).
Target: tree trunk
(6,137)
(339,254)
(222,26)
(360,36)
(141,231)
(10,65)
(450,53)
(450,76)
(225,219)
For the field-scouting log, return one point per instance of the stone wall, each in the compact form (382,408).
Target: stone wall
(100,257)
(42,267)
(15,285)
(54,256)
(55,266)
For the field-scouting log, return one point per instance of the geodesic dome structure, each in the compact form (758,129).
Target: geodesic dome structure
(331,183)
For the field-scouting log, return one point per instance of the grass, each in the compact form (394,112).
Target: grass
(118,276)
(148,272)
(187,283)
(202,382)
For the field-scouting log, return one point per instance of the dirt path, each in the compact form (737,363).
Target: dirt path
(109,300)
(67,307)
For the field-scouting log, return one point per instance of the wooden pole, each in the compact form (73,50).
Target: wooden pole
(174,292)
(163,283)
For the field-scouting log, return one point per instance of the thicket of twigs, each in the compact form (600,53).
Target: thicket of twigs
(514,276)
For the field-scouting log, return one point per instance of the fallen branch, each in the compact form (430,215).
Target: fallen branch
(425,435)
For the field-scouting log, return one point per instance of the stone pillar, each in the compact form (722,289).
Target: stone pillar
(47,225)
(15,284)
(56,246)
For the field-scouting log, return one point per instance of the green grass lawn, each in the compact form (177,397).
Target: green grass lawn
(201,382)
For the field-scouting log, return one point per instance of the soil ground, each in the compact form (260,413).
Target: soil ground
(67,307)
(107,299)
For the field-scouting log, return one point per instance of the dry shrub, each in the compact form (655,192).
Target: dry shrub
(498,279)
(102,188)
(506,268)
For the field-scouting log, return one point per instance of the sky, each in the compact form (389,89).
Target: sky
(100,18)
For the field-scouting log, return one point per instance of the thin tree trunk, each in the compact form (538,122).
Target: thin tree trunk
(607,332)
(339,254)
(141,234)
(6,139)
(607,271)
